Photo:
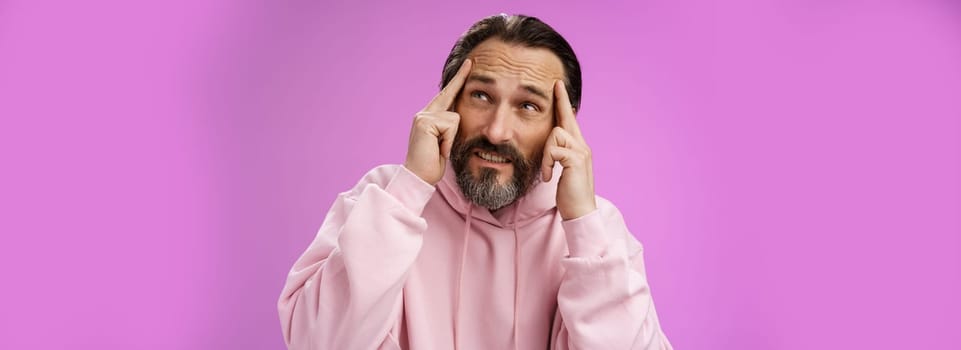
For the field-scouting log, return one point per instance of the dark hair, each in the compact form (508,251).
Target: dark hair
(517,29)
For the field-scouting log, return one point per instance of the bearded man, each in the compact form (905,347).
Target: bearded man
(490,235)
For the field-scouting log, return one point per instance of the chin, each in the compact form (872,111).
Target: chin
(504,176)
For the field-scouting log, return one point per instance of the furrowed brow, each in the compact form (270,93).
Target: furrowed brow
(483,79)
(486,80)
(534,90)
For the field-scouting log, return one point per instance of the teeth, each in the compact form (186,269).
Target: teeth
(491,157)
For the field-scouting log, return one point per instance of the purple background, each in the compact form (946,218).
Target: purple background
(792,167)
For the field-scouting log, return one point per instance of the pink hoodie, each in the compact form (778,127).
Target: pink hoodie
(401,264)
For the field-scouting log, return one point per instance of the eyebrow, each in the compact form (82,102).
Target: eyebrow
(483,79)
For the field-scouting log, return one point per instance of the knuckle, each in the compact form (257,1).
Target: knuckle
(422,120)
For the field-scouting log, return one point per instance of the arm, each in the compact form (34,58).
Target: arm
(604,301)
(344,292)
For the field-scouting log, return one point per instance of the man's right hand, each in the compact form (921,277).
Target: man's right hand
(435,127)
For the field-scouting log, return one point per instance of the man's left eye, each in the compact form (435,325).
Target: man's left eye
(529,106)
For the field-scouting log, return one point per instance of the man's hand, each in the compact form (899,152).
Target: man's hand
(435,127)
(565,144)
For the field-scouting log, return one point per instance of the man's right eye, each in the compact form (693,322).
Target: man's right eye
(480,95)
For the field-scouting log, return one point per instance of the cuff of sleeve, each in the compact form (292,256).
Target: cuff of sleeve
(586,236)
(410,190)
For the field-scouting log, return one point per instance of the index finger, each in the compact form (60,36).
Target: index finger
(445,98)
(564,111)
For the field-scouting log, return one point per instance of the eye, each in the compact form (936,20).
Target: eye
(480,95)
(530,106)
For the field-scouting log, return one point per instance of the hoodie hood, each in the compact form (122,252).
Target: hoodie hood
(540,199)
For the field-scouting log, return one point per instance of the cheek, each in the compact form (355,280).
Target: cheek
(537,139)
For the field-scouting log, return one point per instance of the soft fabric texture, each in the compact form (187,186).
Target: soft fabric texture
(401,264)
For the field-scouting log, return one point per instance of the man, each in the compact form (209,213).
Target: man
(480,241)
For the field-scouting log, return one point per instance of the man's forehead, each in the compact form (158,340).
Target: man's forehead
(498,60)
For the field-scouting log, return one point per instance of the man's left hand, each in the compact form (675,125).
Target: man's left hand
(565,144)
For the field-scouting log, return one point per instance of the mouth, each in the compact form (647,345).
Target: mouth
(492,157)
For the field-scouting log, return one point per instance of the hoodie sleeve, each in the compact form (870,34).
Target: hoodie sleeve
(344,292)
(604,301)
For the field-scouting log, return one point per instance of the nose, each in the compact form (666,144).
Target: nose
(498,129)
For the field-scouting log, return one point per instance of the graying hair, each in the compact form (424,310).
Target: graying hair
(485,191)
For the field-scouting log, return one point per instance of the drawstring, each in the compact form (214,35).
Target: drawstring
(460,276)
(517,263)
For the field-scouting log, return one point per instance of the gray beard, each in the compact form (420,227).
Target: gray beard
(485,191)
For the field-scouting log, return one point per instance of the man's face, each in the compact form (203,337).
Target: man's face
(507,112)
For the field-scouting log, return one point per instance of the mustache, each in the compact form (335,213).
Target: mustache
(484,144)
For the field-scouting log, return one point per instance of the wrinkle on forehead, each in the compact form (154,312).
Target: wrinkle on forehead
(538,66)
